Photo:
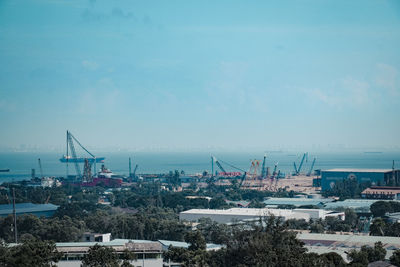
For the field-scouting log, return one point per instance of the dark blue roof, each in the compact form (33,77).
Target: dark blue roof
(26,208)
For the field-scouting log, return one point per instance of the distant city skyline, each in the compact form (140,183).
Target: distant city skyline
(200,76)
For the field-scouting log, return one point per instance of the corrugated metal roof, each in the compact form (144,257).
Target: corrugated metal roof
(353,203)
(241,212)
(115,242)
(179,244)
(362,239)
(297,201)
(26,208)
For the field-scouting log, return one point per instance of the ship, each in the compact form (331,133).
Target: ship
(65,159)
(71,157)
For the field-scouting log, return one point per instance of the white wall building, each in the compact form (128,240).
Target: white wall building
(245,214)
(149,253)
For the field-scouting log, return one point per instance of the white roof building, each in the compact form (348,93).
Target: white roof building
(342,244)
(246,214)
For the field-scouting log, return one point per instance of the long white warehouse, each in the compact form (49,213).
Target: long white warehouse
(246,214)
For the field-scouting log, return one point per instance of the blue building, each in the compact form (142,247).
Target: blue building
(374,176)
(46,210)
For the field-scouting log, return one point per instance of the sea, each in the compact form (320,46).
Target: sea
(22,163)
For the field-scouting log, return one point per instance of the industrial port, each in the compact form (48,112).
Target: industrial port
(89,170)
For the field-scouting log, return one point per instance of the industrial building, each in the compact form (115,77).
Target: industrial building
(381,192)
(378,177)
(149,253)
(178,244)
(252,214)
(46,210)
(359,205)
(342,244)
(296,202)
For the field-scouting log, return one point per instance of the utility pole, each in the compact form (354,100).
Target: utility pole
(15,218)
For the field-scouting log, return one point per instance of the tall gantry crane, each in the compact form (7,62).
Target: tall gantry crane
(74,158)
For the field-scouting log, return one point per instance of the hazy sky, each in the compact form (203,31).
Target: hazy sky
(200,74)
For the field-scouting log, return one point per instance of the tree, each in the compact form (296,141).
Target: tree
(379,208)
(378,227)
(196,240)
(351,217)
(195,255)
(334,259)
(268,243)
(395,258)
(367,254)
(30,253)
(100,256)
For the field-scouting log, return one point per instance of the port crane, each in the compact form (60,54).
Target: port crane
(218,164)
(132,174)
(40,168)
(263,174)
(311,168)
(134,171)
(74,158)
(275,167)
(297,170)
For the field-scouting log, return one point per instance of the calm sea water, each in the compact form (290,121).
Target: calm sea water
(20,164)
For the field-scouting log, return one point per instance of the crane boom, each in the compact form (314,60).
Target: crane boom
(230,165)
(301,163)
(242,179)
(263,167)
(76,140)
(134,171)
(311,168)
(73,152)
(220,166)
(276,166)
(40,168)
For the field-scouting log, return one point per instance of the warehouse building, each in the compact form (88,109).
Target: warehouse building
(149,253)
(46,210)
(252,214)
(342,244)
(381,192)
(374,176)
(274,202)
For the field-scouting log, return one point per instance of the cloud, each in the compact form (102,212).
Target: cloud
(387,78)
(103,98)
(348,92)
(232,88)
(90,65)
(358,91)
(115,13)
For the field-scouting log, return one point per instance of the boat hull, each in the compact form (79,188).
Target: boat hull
(82,160)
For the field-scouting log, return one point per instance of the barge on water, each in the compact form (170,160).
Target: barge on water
(65,159)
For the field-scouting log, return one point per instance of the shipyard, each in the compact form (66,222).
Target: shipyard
(313,201)
(199,134)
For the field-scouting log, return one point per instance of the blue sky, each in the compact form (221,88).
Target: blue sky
(200,74)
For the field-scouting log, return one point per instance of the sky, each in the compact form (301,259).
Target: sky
(200,75)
